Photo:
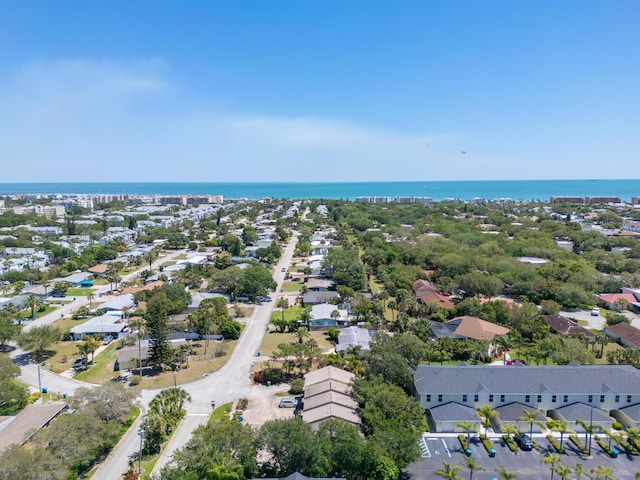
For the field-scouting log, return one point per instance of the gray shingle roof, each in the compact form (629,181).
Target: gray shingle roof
(581,410)
(569,379)
(454,412)
(511,412)
(632,411)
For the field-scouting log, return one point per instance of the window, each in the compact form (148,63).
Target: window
(428,398)
(601,398)
(475,397)
(464,398)
(553,398)
(628,398)
(539,398)
(439,398)
(565,399)
(491,398)
(590,398)
(617,398)
(501,398)
(527,398)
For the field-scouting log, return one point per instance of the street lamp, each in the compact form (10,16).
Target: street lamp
(141,433)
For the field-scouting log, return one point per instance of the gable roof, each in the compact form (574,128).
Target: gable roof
(453,411)
(561,379)
(477,329)
(328,373)
(331,410)
(352,337)
(101,268)
(151,286)
(326,386)
(611,298)
(625,331)
(512,411)
(585,412)
(423,286)
(325,398)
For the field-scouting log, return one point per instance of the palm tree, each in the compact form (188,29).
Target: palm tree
(589,430)
(32,302)
(301,334)
(559,426)
(91,296)
(92,345)
(633,436)
(531,418)
(449,472)
(509,429)
(578,469)
(470,464)
(552,460)
(505,474)
(282,303)
(602,473)
(504,342)
(487,413)
(467,427)
(83,349)
(564,471)
(140,325)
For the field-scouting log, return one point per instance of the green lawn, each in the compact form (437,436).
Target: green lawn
(79,292)
(221,412)
(272,339)
(102,369)
(291,286)
(291,313)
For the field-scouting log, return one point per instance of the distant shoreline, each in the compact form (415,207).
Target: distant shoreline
(518,190)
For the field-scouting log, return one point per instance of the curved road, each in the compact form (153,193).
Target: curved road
(229,383)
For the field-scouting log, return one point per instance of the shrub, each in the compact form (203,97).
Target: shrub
(297,386)
(135,380)
(576,441)
(243,403)
(617,426)
(34,397)
(556,444)
(273,375)
(510,443)
(463,442)
(488,446)
(603,446)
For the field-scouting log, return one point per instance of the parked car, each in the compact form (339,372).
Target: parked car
(595,311)
(80,362)
(284,269)
(287,402)
(523,441)
(107,340)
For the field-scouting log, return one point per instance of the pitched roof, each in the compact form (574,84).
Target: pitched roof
(352,337)
(101,268)
(325,398)
(512,411)
(328,373)
(477,329)
(440,300)
(331,410)
(151,286)
(562,379)
(565,326)
(326,386)
(582,410)
(615,297)
(625,331)
(453,411)
(423,286)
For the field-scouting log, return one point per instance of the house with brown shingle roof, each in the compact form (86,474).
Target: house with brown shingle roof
(98,269)
(151,286)
(565,326)
(476,328)
(422,287)
(625,334)
(435,299)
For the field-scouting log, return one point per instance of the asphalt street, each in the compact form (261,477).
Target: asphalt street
(228,384)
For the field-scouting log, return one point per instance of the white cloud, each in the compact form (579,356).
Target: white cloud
(80,120)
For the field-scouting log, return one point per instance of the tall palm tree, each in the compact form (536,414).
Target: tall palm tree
(563,471)
(140,325)
(589,430)
(578,469)
(91,296)
(468,427)
(602,473)
(282,303)
(33,301)
(487,413)
(531,417)
(559,426)
(470,464)
(449,472)
(92,345)
(301,334)
(552,460)
(505,474)
(509,429)
(633,436)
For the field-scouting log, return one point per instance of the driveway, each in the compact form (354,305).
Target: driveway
(598,322)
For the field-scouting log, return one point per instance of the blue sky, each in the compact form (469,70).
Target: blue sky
(319,90)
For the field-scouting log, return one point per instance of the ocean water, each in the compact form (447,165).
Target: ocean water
(438,190)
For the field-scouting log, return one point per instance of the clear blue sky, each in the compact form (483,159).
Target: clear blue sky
(319,90)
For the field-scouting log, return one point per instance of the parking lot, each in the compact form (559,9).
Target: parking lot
(438,448)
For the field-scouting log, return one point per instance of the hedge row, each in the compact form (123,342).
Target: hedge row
(576,441)
(556,444)
(510,442)
(604,446)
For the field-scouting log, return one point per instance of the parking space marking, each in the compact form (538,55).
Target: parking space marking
(446,449)
(425,448)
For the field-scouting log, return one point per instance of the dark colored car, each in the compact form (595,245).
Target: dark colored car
(524,441)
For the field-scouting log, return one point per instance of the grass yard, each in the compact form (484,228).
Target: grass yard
(196,370)
(221,412)
(610,347)
(291,313)
(291,286)
(26,314)
(65,353)
(80,292)
(272,339)
(101,371)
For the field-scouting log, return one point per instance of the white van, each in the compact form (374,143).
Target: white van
(287,402)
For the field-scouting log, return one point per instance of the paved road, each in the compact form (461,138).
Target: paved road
(57,383)
(229,383)
(598,321)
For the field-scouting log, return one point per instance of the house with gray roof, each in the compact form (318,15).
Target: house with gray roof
(351,337)
(580,411)
(102,325)
(548,388)
(119,303)
(447,417)
(315,298)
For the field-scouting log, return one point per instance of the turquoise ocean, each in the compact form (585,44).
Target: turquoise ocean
(438,190)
